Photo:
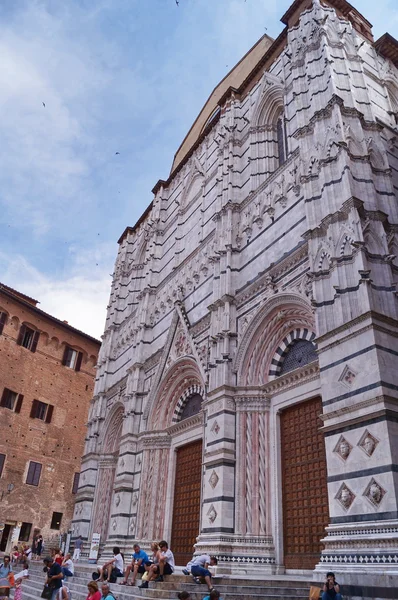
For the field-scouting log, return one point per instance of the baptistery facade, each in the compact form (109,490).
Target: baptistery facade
(246,394)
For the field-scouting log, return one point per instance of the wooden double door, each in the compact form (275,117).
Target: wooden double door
(304,484)
(186,508)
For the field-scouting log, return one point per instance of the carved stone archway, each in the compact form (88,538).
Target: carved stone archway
(278,317)
(182,379)
(106,472)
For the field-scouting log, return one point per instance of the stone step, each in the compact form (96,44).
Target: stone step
(84,571)
(172,588)
(158,591)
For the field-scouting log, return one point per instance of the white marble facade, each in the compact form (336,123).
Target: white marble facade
(258,240)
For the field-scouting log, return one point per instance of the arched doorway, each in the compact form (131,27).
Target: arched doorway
(304,484)
(106,474)
(186,506)
(187,485)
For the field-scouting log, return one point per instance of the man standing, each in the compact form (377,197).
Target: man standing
(78,548)
(138,561)
(54,576)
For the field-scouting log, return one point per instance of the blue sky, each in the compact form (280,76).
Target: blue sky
(124,76)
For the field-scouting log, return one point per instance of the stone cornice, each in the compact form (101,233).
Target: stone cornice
(154,441)
(294,378)
(186,424)
(251,403)
(345,410)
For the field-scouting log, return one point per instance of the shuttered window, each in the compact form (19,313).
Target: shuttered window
(2,461)
(75,483)
(11,400)
(42,411)
(72,359)
(34,472)
(28,338)
(3,321)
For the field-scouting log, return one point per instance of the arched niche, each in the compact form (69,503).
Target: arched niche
(180,381)
(279,316)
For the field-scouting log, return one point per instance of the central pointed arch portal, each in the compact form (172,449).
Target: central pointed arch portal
(177,413)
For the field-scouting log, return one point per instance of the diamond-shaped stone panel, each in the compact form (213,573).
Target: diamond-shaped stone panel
(374,492)
(343,448)
(212,514)
(215,428)
(368,443)
(213,479)
(347,376)
(345,496)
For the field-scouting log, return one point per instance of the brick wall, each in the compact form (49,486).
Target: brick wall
(57,445)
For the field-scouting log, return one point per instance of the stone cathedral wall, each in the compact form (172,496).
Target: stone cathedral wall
(279,225)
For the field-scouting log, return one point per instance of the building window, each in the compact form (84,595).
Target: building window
(75,483)
(72,359)
(28,338)
(282,140)
(34,472)
(2,461)
(42,411)
(3,321)
(24,534)
(192,407)
(11,400)
(56,521)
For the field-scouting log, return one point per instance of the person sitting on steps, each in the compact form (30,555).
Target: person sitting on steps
(138,563)
(165,566)
(116,562)
(331,589)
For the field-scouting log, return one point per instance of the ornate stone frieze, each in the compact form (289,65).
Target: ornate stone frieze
(252,403)
(155,441)
(186,424)
(284,382)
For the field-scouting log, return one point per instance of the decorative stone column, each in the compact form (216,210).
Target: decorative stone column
(252,480)
(153,492)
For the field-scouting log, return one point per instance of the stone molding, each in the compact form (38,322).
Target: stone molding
(350,409)
(154,441)
(186,424)
(305,374)
(252,403)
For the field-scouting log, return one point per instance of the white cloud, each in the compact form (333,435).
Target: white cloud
(80,299)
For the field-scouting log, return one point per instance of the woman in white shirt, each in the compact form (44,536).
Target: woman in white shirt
(117,562)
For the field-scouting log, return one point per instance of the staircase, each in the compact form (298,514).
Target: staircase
(275,588)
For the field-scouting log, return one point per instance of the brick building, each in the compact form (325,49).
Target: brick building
(47,371)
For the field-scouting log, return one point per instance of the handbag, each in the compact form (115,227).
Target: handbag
(47,592)
(315,592)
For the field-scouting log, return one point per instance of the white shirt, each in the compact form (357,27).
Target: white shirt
(68,564)
(119,562)
(24,573)
(169,558)
(201,560)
